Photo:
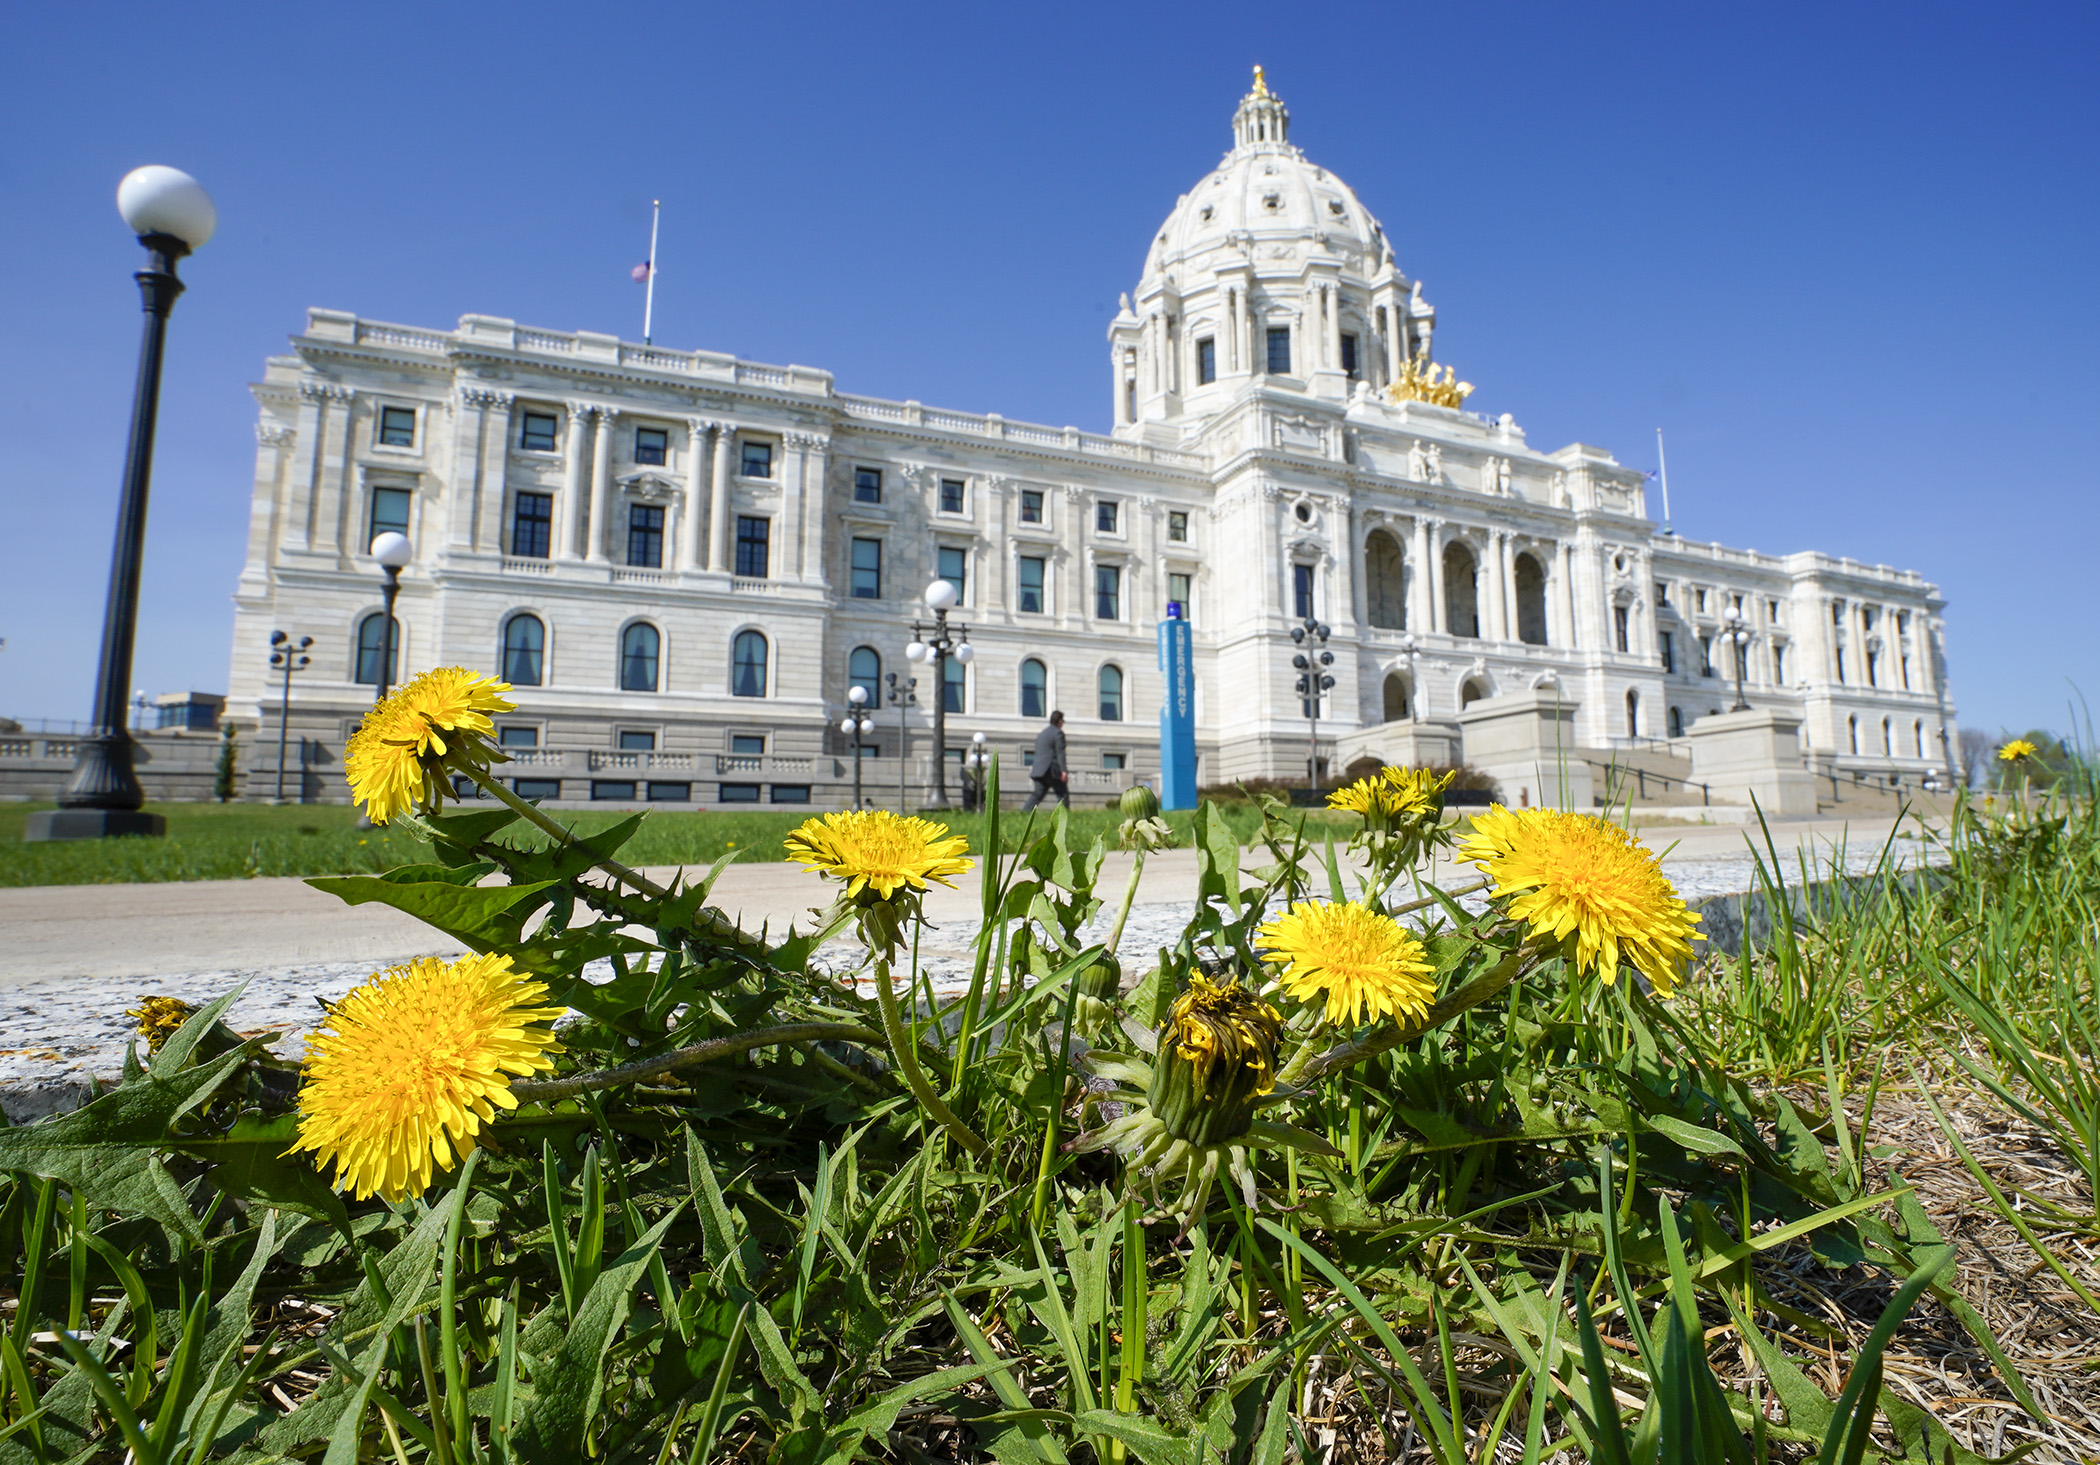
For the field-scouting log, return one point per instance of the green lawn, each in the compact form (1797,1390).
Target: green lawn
(235,841)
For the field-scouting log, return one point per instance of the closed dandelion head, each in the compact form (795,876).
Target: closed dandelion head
(403,755)
(1366,964)
(1590,888)
(410,1065)
(2019,750)
(1217,1055)
(158,1018)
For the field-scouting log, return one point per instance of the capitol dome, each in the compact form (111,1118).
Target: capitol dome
(1269,275)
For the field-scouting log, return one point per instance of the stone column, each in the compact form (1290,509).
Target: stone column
(1421,615)
(601,485)
(1115,379)
(1439,611)
(568,514)
(1571,624)
(692,526)
(495,471)
(332,470)
(463,485)
(1509,588)
(1237,337)
(814,462)
(1331,299)
(718,503)
(302,485)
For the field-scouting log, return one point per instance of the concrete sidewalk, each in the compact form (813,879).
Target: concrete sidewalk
(107,932)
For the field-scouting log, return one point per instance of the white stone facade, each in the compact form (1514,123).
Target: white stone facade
(1257,458)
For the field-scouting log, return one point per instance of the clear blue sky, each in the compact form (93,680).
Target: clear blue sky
(1843,254)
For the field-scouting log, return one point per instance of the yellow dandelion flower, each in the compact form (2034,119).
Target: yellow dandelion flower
(2019,750)
(879,852)
(1216,1057)
(1589,885)
(1368,964)
(402,755)
(158,1018)
(410,1065)
(1394,793)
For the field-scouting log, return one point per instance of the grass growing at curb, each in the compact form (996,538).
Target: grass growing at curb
(239,841)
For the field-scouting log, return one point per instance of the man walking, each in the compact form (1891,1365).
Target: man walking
(1048,769)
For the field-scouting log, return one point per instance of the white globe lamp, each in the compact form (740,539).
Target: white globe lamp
(940,595)
(159,200)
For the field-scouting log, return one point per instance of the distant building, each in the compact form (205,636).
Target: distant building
(683,560)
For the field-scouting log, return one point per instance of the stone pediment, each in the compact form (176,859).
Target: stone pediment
(650,488)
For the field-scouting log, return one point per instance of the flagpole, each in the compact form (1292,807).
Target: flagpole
(656,206)
(1661,462)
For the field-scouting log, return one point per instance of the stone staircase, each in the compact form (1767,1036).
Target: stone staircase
(1649,776)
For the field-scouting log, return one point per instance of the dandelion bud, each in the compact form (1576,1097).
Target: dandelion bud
(1217,1055)
(1140,802)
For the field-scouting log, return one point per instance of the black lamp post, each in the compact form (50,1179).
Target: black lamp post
(393,551)
(288,656)
(904,695)
(937,647)
(172,215)
(1314,681)
(1737,634)
(856,725)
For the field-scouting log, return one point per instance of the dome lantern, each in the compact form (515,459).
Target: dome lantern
(1262,116)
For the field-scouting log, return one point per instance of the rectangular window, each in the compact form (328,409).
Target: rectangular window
(1106,516)
(1706,656)
(1779,666)
(1178,526)
(867,569)
(532,526)
(670,793)
(752,536)
(790,793)
(1031,506)
(1030,584)
(1699,601)
(867,485)
(612,788)
(757,460)
(1302,591)
(1178,594)
(517,737)
(1114,762)
(1618,618)
(634,741)
(954,567)
(397,427)
(652,445)
(1349,355)
(1206,361)
(1279,351)
(389,513)
(645,536)
(738,793)
(1108,593)
(1662,593)
(1772,611)
(536,788)
(1669,651)
(747,745)
(539,432)
(954,686)
(951,495)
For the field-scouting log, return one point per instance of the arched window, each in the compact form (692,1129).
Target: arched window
(524,642)
(1888,737)
(639,645)
(1035,689)
(1396,698)
(1531,601)
(747,669)
(1633,714)
(1111,685)
(864,670)
(1385,582)
(1469,692)
(371,633)
(1852,728)
(1676,722)
(1461,595)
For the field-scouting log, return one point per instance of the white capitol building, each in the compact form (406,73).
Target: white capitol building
(683,560)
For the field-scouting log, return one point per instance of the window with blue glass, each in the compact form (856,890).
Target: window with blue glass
(652,445)
(390,508)
(867,569)
(757,460)
(1206,361)
(867,485)
(1110,684)
(1349,354)
(372,649)
(645,536)
(1180,592)
(397,427)
(747,665)
(1108,593)
(953,565)
(951,495)
(539,432)
(864,670)
(532,526)
(1301,590)
(954,683)
(1107,515)
(524,647)
(1031,506)
(639,644)
(636,740)
(1029,597)
(1035,689)
(1279,350)
(753,536)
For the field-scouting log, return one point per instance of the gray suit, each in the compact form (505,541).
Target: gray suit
(1048,770)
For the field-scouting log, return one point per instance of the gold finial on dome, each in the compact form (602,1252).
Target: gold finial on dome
(1262,116)
(1261,88)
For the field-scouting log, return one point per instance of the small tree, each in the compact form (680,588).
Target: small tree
(1976,749)
(228,767)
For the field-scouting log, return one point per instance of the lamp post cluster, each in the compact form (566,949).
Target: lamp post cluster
(903,695)
(1735,631)
(172,215)
(857,725)
(936,644)
(1314,680)
(393,551)
(287,656)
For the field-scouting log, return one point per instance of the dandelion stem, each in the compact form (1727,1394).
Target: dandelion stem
(494,786)
(552,1089)
(1115,934)
(901,1049)
(1305,1068)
